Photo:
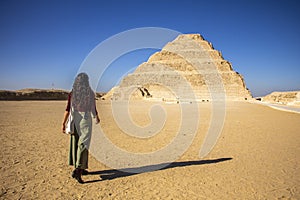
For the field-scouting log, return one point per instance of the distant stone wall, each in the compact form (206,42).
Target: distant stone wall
(287,98)
(33,94)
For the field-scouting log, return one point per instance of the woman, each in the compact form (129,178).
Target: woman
(82,101)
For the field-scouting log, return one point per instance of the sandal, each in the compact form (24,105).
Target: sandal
(77,175)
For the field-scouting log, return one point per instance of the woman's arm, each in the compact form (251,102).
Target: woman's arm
(67,112)
(94,110)
(97,119)
(66,115)
(95,113)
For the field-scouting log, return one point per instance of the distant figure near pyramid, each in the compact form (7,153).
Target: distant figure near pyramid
(189,64)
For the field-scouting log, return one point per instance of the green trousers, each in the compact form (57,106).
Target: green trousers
(80,140)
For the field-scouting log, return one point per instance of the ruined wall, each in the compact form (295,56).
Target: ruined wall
(286,98)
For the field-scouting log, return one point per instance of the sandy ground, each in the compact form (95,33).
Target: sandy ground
(256,156)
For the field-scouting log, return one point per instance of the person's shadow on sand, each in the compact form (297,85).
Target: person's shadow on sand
(114,173)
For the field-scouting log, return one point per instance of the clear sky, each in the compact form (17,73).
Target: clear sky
(44,42)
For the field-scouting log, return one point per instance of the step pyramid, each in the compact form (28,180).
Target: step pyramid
(186,69)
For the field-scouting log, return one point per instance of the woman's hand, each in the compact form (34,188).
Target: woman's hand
(97,119)
(63,128)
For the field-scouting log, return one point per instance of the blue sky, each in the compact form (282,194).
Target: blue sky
(43,43)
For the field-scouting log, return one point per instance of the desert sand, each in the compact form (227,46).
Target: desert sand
(256,156)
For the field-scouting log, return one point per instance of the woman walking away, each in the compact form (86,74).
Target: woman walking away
(81,103)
